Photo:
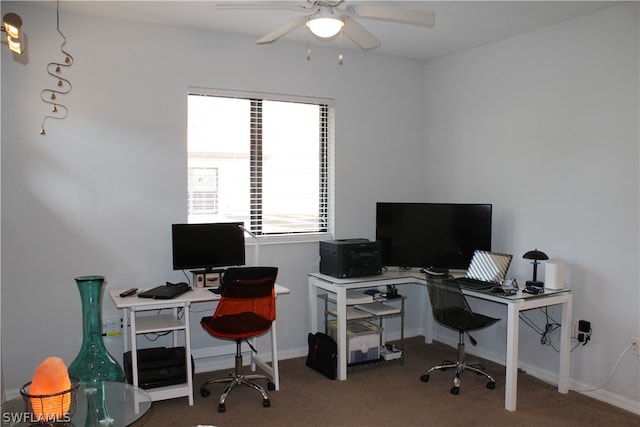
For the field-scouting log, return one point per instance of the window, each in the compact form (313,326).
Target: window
(203,190)
(260,159)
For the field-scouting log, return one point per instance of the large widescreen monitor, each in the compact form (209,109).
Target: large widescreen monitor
(207,246)
(432,235)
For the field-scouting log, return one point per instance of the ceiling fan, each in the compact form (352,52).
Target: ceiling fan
(341,18)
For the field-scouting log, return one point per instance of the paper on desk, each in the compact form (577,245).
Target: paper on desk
(352,313)
(378,308)
(354,296)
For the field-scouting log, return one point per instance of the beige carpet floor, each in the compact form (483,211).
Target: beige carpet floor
(389,395)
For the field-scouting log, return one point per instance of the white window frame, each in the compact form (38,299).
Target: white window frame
(330,162)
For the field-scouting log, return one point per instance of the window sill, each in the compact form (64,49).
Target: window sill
(288,238)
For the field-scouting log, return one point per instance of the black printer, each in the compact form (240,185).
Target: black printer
(350,258)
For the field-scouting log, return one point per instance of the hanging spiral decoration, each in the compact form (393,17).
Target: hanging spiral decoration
(54,69)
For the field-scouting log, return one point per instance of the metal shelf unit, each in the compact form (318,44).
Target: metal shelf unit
(353,315)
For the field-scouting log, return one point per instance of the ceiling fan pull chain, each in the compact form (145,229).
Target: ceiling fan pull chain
(340,55)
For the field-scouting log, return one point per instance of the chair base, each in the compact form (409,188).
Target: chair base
(236,378)
(460,366)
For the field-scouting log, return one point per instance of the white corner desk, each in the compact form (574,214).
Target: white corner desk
(515,304)
(173,322)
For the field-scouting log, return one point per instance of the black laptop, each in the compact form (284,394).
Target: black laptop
(168,291)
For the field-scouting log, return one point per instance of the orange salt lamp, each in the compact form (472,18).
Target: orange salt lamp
(50,377)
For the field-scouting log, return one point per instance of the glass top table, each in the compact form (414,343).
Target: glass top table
(107,404)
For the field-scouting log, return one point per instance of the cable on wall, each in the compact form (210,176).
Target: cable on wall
(551,326)
(50,96)
(613,371)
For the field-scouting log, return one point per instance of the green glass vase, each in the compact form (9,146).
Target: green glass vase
(93,364)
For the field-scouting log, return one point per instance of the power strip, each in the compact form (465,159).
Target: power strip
(390,353)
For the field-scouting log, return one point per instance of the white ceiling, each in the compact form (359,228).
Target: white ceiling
(460,25)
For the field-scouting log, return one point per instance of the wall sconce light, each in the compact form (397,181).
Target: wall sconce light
(536,256)
(325,25)
(12,24)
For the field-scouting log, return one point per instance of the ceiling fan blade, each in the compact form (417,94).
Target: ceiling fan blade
(423,18)
(359,34)
(282,31)
(264,5)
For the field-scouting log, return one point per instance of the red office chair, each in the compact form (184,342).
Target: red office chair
(246,309)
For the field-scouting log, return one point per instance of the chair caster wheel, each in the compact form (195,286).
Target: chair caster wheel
(424,378)
(271,386)
(491,385)
(455,390)
(204,392)
(221,407)
(266,403)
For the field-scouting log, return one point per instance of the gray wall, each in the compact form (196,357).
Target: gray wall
(545,126)
(98,193)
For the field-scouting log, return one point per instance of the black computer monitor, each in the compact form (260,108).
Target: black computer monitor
(207,246)
(432,235)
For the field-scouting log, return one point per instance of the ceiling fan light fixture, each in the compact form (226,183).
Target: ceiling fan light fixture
(325,26)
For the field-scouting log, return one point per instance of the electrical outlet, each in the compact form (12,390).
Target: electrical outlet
(112,327)
(574,330)
(635,346)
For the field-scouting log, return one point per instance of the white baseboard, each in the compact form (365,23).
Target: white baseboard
(588,390)
(226,361)
(551,377)
(224,358)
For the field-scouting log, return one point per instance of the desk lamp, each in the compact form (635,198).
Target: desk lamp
(536,256)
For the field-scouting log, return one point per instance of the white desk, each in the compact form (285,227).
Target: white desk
(172,322)
(515,304)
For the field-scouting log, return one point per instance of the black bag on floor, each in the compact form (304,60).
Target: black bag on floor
(323,354)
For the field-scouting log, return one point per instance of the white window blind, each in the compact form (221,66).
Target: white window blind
(260,159)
